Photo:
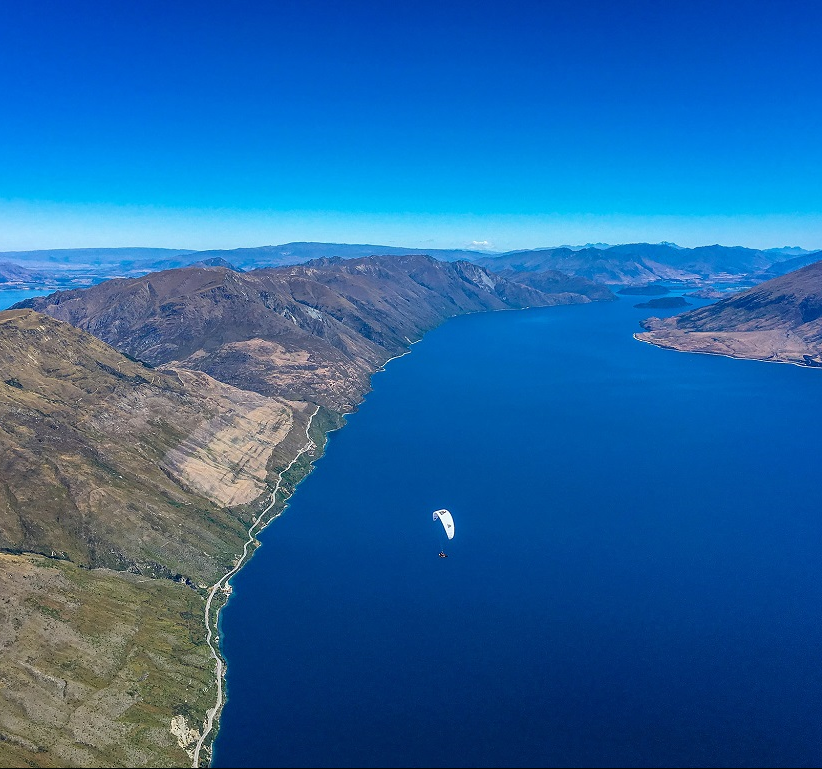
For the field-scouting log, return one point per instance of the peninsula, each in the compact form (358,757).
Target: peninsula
(779,320)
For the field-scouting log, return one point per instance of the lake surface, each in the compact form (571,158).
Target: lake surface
(636,577)
(8,297)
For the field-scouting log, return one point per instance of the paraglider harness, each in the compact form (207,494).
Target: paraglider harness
(443,555)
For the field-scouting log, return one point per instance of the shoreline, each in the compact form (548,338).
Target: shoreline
(211,722)
(722,354)
(211,632)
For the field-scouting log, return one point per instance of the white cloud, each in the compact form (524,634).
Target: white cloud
(480,245)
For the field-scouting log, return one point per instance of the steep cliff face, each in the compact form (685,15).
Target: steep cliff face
(780,320)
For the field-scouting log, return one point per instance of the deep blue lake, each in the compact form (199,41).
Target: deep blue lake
(8,297)
(636,577)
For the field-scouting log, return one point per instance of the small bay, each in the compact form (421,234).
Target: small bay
(635,577)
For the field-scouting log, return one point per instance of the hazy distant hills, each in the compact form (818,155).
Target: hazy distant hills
(68,267)
(795,263)
(14,273)
(779,320)
(599,266)
(83,258)
(707,261)
(643,263)
(298,253)
(78,267)
(627,264)
(789,251)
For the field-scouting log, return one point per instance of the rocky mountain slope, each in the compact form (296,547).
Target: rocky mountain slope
(108,463)
(315,331)
(780,320)
(113,475)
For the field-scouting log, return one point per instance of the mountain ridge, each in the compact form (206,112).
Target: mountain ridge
(255,329)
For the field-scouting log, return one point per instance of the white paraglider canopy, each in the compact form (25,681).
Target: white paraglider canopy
(447,522)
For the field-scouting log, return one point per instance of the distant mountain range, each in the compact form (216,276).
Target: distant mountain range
(93,258)
(645,263)
(70,267)
(83,256)
(790,251)
(298,253)
(789,265)
(627,264)
(15,274)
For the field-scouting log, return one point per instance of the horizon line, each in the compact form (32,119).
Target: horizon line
(421,250)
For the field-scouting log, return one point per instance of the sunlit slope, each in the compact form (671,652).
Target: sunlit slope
(99,454)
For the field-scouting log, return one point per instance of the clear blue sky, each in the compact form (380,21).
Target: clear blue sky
(519,123)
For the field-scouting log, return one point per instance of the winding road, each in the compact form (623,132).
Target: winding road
(210,637)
